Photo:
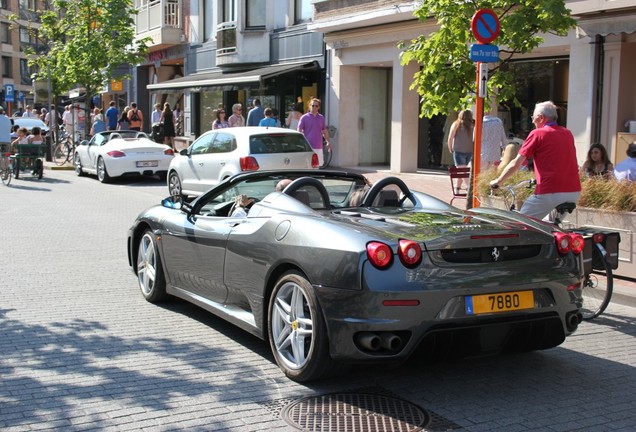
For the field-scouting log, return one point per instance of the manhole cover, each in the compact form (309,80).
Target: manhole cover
(349,412)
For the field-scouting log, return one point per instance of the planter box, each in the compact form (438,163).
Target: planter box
(622,222)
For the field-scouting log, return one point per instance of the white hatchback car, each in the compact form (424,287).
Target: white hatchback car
(221,153)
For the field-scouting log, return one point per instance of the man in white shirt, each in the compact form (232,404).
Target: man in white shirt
(493,140)
(156,114)
(29,112)
(626,169)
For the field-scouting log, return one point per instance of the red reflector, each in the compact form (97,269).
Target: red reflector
(168,152)
(401,303)
(598,238)
(116,153)
(248,163)
(315,163)
(379,254)
(572,287)
(493,236)
(409,252)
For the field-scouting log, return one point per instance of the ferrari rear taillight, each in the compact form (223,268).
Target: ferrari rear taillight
(379,254)
(577,243)
(248,163)
(116,153)
(315,163)
(563,242)
(168,152)
(409,252)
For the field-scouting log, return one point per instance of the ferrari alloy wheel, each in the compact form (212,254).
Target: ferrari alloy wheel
(297,332)
(102,173)
(149,269)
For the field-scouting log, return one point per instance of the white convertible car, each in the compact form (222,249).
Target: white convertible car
(122,153)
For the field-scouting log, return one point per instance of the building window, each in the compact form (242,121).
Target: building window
(4,4)
(229,10)
(25,72)
(6,67)
(303,11)
(255,14)
(5,33)
(208,20)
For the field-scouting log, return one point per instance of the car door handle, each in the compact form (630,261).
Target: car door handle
(200,163)
(222,163)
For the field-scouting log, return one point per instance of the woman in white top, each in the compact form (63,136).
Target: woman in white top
(294,116)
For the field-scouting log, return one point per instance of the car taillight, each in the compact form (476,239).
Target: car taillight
(379,254)
(577,243)
(598,238)
(168,152)
(116,153)
(248,163)
(315,163)
(409,252)
(563,242)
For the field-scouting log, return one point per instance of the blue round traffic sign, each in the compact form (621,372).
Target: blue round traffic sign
(485,25)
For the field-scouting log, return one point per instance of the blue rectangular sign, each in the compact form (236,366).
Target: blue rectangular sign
(8,93)
(484,53)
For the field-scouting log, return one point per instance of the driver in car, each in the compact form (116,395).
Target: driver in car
(241,202)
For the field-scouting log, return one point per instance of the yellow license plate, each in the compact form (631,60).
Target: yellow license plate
(502,302)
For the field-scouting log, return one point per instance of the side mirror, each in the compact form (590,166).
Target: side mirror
(84,142)
(184,152)
(173,202)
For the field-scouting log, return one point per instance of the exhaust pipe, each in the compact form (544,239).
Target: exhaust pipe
(369,341)
(390,341)
(573,320)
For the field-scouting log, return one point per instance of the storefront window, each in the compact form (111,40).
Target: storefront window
(537,81)
(210,101)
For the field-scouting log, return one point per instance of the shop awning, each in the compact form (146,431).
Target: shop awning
(218,78)
(615,24)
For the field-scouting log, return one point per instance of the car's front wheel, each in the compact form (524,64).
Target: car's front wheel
(174,185)
(102,172)
(78,165)
(297,331)
(150,270)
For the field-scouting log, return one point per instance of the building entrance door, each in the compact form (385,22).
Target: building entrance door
(375,116)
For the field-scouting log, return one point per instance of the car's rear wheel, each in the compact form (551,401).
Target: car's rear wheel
(149,269)
(174,185)
(102,172)
(297,331)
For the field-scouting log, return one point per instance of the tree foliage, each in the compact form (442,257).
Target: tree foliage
(446,80)
(86,40)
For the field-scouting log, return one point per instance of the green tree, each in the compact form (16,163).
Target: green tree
(446,80)
(85,41)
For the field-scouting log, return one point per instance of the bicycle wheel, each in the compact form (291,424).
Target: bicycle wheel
(6,173)
(598,286)
(60,153)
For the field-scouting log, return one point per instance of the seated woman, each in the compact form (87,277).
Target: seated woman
(597,162)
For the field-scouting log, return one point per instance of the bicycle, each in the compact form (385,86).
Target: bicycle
(6,166)
(598,279)
(64,148)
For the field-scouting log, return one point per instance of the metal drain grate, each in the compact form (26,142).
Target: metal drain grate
(349,412)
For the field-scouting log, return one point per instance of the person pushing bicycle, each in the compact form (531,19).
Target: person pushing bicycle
(555,165)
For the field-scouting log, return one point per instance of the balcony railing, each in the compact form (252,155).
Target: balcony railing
(160,20)
(158,14)
(226,38)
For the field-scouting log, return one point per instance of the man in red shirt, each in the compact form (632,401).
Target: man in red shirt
(555,165)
